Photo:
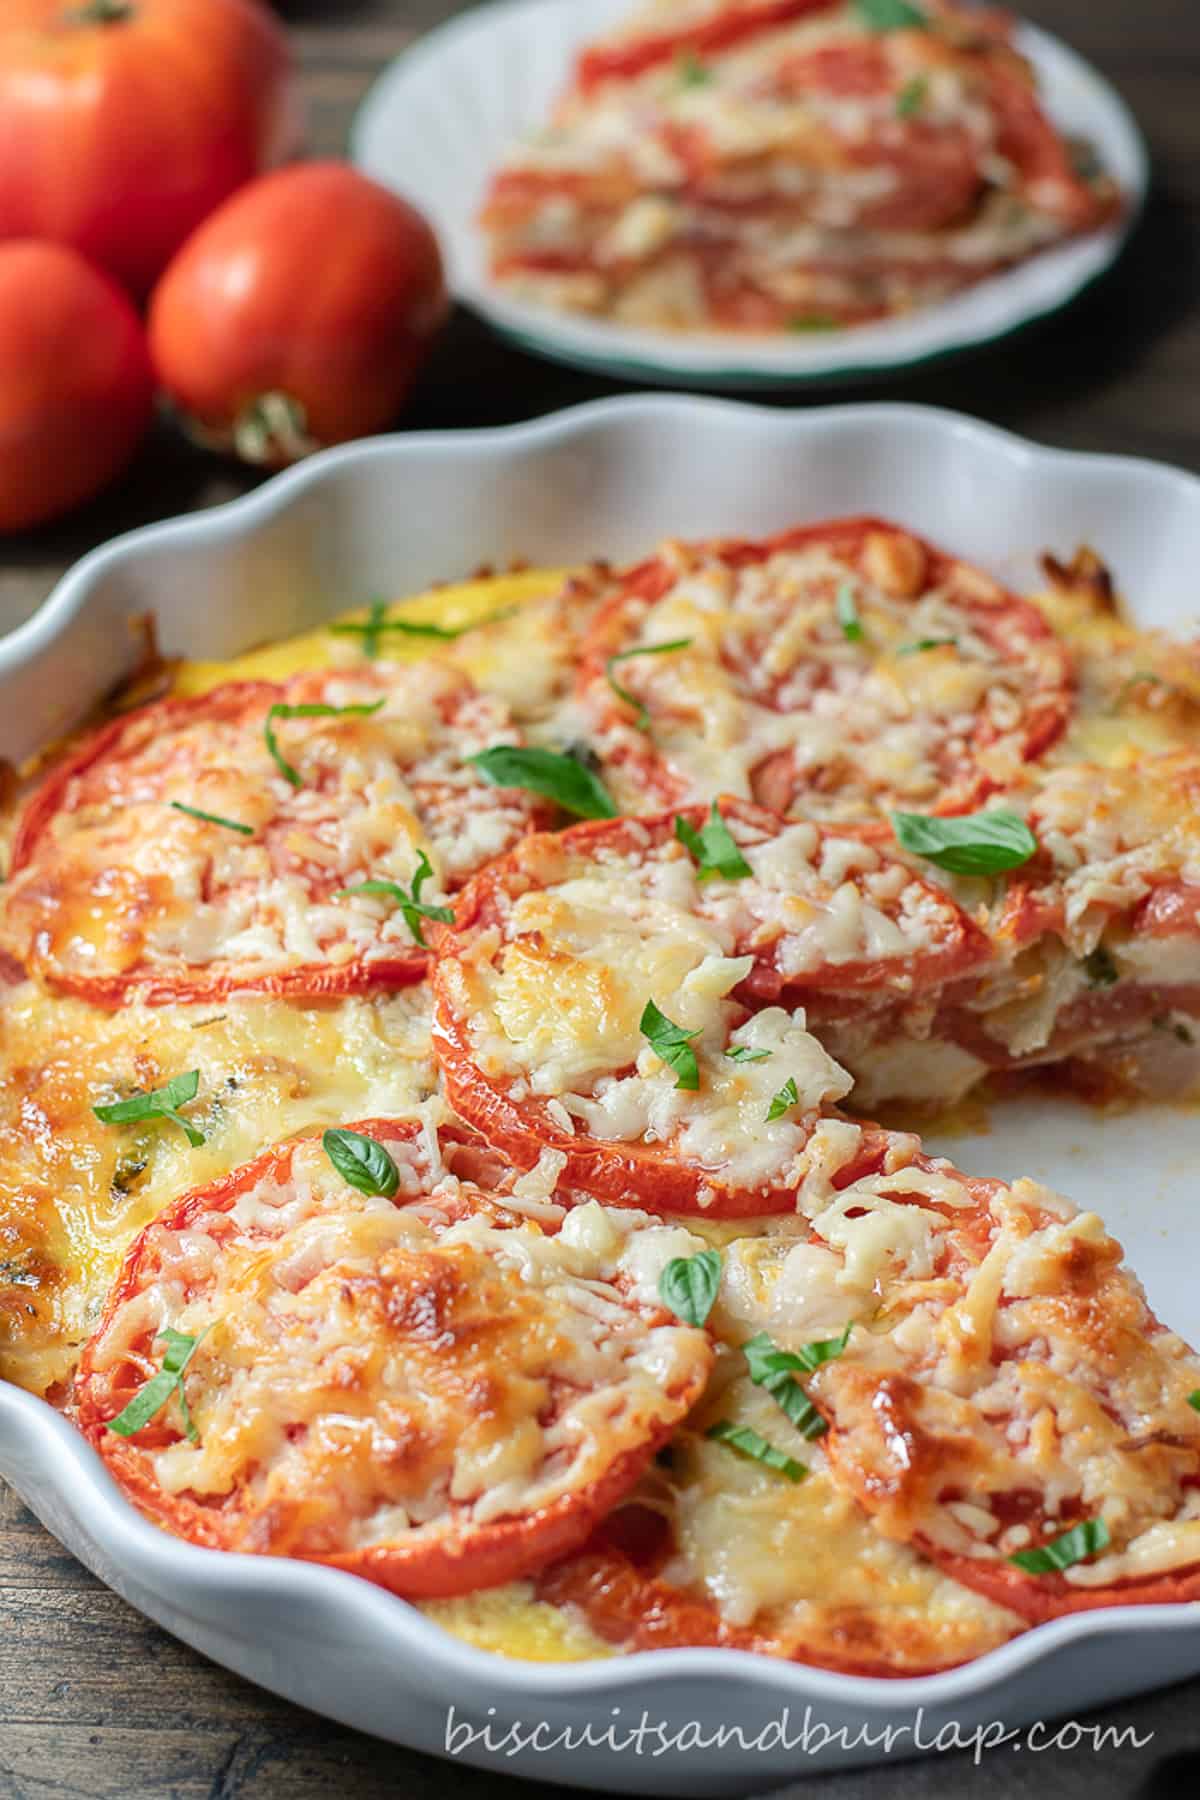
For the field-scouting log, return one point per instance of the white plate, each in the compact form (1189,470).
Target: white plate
(439,120)
(389,515)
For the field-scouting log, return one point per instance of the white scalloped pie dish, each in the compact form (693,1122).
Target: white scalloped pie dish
(388,516)
(439,120)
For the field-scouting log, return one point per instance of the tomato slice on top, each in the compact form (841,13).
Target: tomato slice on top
(1007,1389)
(421,1387)
(834,671)
(546,990)
(119,888)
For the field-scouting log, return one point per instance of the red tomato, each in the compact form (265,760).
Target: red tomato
(76,386)
(298,314)
(123,123)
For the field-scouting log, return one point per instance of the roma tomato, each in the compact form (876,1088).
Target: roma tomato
(76,386)
(297,315)
(123,123)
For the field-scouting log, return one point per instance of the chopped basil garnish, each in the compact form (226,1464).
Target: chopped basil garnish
(712,848)
(643,717)
(372,628)
(982,843)
(767,1359)
(693,72)
(161,1103)
(1073,1546)
(1193,1399)
(310,710)
(1099,967)
(847,615)
(911,97)
(784,1100)
(195,812)
(890,15)
(410,903)
(746,1053)
(775,1370)
(747,1442)
(563,779)
(370,631)
(151,1399)
(920,645)
(689,1285)
(361,1161)
(670,1043)
(813,322)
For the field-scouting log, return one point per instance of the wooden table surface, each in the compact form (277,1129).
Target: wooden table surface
(96,1702)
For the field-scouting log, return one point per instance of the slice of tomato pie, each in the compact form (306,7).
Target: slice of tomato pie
(787,165)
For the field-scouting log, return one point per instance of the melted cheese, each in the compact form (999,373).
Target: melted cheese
(555,1006)
(770,673)
(123,884)
(371,1374)
(800,1564)
(73,1191)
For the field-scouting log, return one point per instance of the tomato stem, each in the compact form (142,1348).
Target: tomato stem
(100,12)
(273,431)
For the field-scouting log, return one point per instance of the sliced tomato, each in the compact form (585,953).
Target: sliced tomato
(115,891)
(1024,1389)
(1025,136)
(532,979)
(710,30)
(376,1384)
(1171,909)
(820,708)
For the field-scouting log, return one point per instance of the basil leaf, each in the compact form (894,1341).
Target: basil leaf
(787,1392)
(372,628)
(194,812)
(361,1161)
(813,322)
(161,1103)
(1099,967)
(747,1442)
(765,1358)
(563,779)
(1073,1546)
(919,645)
(693,72)
(1193,1399)
(689,1285)
(982,843)
(670,1043)
(411,904)
(911,97)
(774,1370)
(745,1053)
(712,848)
(310,710)
(847,615)
(785,1099)
(151,1399)
(643,717)
(890,15)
